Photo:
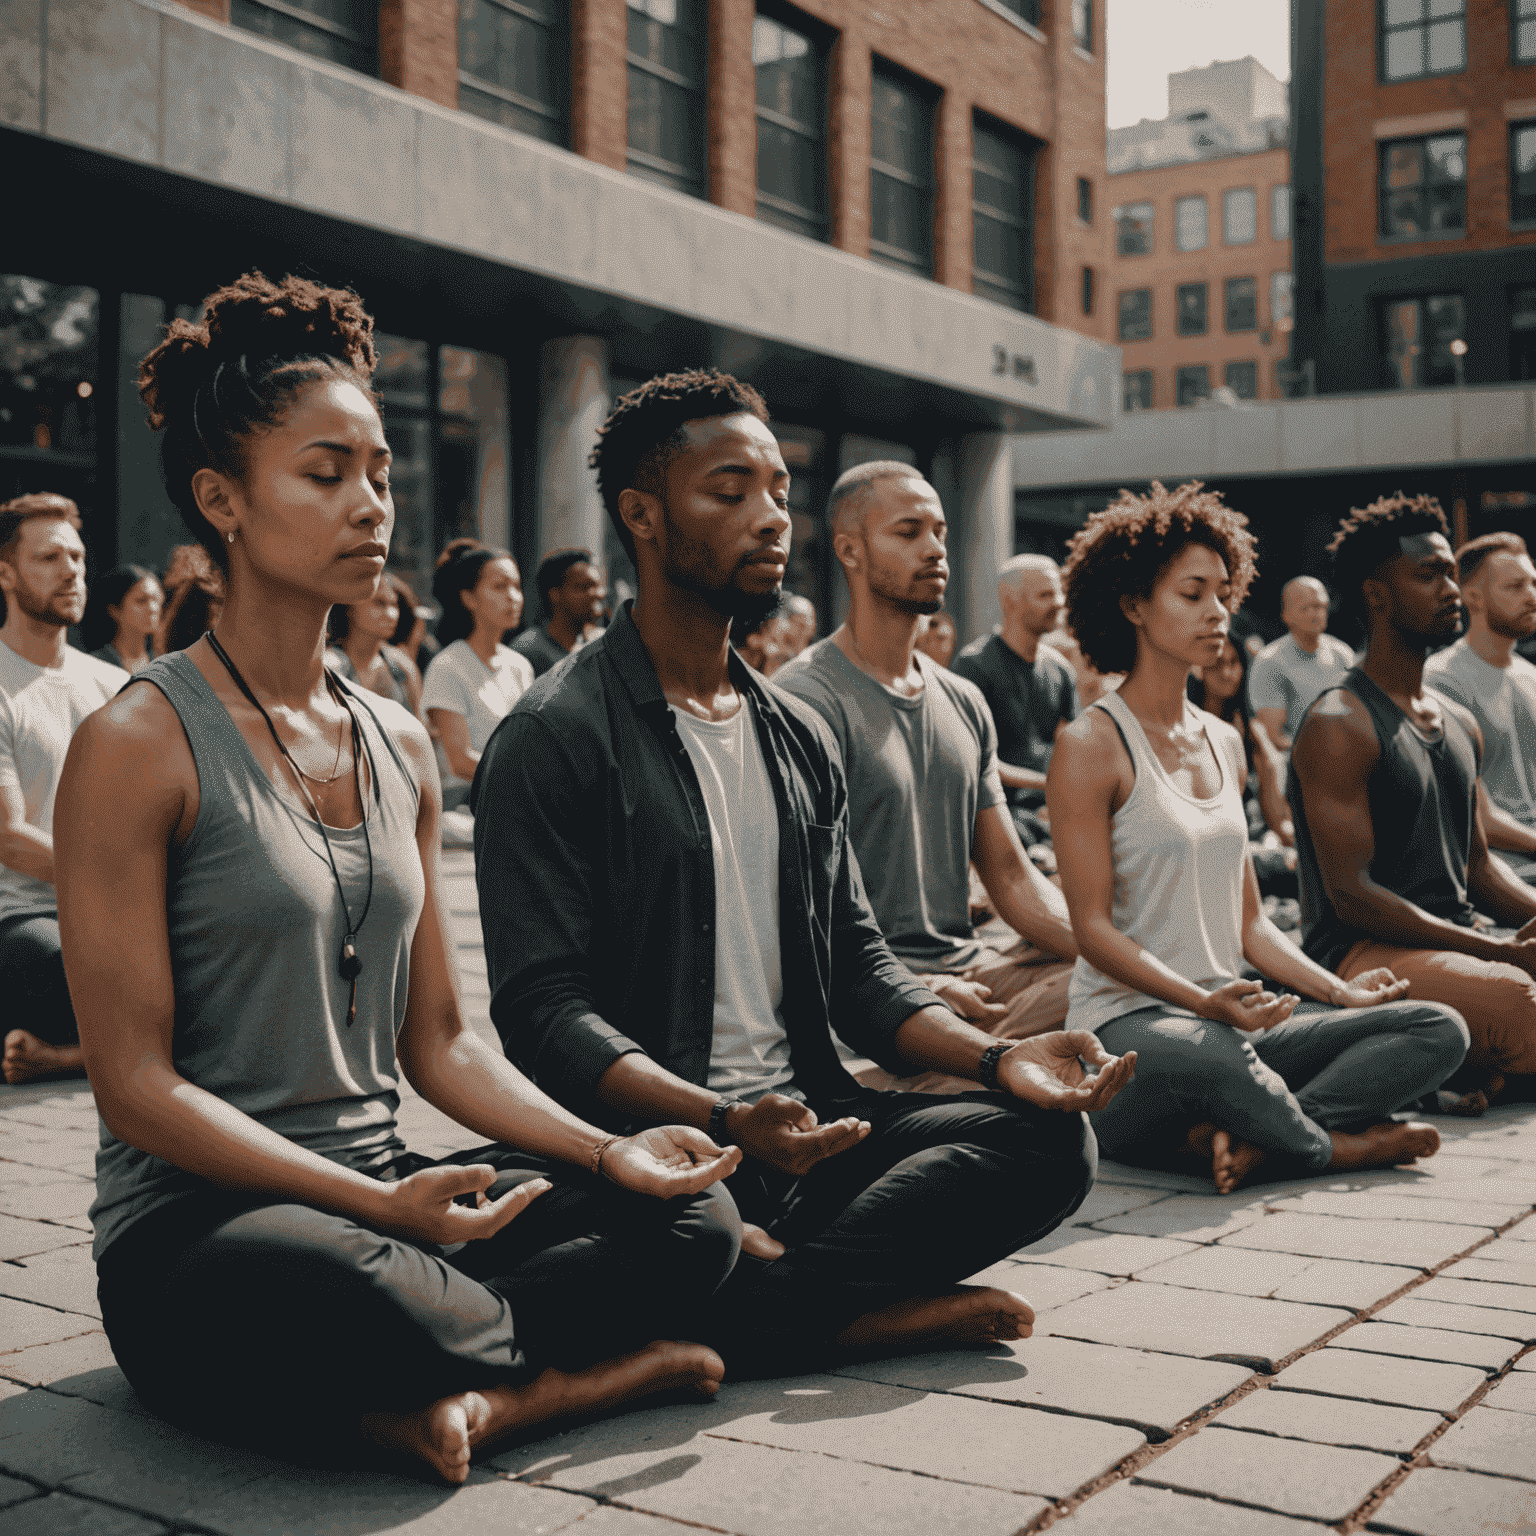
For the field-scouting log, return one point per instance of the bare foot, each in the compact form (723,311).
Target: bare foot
(1232,1159)
(446,1433)
(28,1058)
(756,1242)
(1385,1145)
(968,1315)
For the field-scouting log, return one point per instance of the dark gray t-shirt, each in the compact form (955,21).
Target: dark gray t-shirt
(920,771)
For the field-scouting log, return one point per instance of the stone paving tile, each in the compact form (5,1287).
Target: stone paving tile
(1043,1286)
(22,1324)
(1283,1276)
(20,1239)
(1470,1210)
(1345,1283)
(1153,1393)
(64,1201)
(997,1445)
(1189,1218)
(1331,1421)
(1153,1178)
(1510,1251)
(106,1386)
(1515,1394)
(1422,1244)
(1505,1323)
(1345,1373)
(1432,1502)
(1503,1271)
(64,1278)
(1133,1509)
(756,1490)
(610,1520)
(1109,1254)
(44,1364)
(1321,1482)
(60,1514)
(13,1491)
(1488,1441)
(1428,1344)
(311,1502)
(1525,1363)
(1245,1329)
(1478,1293)
(1112,1200)
(1496,1189)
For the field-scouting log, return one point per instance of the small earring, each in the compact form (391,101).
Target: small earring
(230,535)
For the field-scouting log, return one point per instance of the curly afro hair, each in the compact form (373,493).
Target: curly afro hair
(646,427)
(208,386)
(1122,551)
(1367,539)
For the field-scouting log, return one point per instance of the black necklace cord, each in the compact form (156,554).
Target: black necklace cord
(349,963)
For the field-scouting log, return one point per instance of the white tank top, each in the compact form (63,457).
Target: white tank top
(1179,865)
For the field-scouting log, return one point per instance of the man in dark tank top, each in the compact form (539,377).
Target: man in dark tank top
(1394,862)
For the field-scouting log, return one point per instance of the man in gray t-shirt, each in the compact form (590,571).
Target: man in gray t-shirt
(920,753)
(1289,674)
(1485,673)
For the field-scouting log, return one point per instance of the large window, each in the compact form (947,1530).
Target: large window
(1523,29)
(1189,224)
(1422,37)
(1192,304)
(1241,302)
(1192,383)
(1136,314)
(1424,187)
(1417,340)
(1002,216)
(666,92)
(343,31)
(1239,216)
(791,128)
(1137,390)
(1242,378)
(1522,173)
(1082,24)
(1280,212)
(1133,229)
(515,64)
(901,172)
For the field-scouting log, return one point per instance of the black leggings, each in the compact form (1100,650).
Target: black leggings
(32,979)
(278,1325)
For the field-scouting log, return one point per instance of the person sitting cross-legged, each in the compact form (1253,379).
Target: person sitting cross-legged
(921,757)
(674,924)
(1145,794)
(1386,797)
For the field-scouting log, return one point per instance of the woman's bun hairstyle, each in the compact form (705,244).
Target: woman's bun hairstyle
(208,386)
(456,571)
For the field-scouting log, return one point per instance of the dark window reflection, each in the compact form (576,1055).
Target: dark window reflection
(901,173)
(791,128)
(1424,187)
(1002,178)
(343,31)
(515,64)
(666,92)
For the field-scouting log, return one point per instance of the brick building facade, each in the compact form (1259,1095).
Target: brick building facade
(1415,175)
(871,210)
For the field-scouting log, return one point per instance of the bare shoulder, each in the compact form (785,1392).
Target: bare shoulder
(1090,732)
(1337,737)
(133,755)
(137,729)
(1090,749)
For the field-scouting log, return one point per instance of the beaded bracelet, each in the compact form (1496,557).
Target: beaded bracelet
(597,1155)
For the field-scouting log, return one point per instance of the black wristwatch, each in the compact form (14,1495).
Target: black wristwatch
(723,1107)
(986,1069)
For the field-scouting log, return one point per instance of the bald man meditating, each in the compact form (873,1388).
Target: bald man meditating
(1292,671)
(920,753)
(1030,688)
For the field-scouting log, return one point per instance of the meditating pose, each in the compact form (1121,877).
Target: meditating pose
(255,935)
(122,615)
(674,923)
(1145,795)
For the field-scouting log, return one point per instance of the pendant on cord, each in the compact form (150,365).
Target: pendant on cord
(351,968)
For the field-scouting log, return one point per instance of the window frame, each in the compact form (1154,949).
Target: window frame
(1147,374)
(1089,289)
(1526,125)
(366,42)
(812,224)
(1202,288)
(1028,151)
(1082,37)
(654,168)
(559,114)
(1120,299)
(1384,29)
(1423,300)
(1281,189)
(1151,223)
(1515,18)
(1227,286)
(1384,148)
(1179,375)
(1241,362)
(1228,193)
(927,94)
(1085,199)
(1205,207)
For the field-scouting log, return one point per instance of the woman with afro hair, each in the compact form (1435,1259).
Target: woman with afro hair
(1145,793)
(254,933)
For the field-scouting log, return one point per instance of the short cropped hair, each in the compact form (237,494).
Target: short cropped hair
(1470,557)
(645,429)
(850,491)
(1367,540)
(1123,550)
(23,509)
(552,569)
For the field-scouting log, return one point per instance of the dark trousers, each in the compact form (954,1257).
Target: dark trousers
(939,1189)
(32,979)
(279,1325)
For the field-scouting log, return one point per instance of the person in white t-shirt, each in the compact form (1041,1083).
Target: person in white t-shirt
(475,679)
(46,690)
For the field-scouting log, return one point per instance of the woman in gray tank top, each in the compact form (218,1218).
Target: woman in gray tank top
(247,882)
(1145,795)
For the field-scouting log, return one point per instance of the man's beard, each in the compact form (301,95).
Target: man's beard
(688,563)
(1512,629)
(44,607)
(889,590)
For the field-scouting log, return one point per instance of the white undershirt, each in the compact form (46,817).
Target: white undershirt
(750,1053)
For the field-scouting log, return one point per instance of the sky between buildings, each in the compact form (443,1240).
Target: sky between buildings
(1152,39)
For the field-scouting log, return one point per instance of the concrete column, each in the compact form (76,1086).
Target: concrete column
(982,515)
(574,399)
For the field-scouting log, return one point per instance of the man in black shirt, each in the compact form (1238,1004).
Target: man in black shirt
(572,591)
(674,924)
(1393,854)
(1030,688)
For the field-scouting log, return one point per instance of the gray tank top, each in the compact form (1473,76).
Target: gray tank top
(255,931)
